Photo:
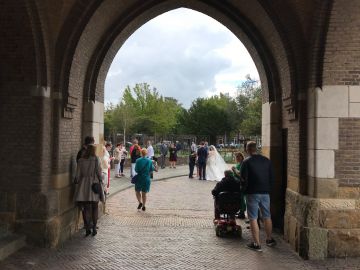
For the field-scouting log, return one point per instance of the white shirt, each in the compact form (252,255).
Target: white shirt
(105,161)
(193,147)
(150,151)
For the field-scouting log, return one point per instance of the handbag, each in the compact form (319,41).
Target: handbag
(134,179)
(96,187)
(116,161)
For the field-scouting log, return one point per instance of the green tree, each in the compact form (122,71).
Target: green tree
(142,110)
(209,116)
(249,107)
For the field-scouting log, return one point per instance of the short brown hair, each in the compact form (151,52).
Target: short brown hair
(90,151)
(251,146)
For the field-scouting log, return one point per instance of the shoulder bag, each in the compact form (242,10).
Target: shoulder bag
(96,187)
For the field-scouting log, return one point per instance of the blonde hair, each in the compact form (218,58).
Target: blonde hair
(143,152)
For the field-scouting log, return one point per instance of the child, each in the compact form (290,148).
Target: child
(228,183)
(192,161)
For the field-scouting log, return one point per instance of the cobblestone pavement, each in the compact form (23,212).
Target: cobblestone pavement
(175,232)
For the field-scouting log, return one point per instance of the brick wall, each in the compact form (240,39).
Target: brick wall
(342,54)
(347,158)
(279,31)
(17,52)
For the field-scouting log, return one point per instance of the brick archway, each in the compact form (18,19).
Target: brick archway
(55,56)
(255,34)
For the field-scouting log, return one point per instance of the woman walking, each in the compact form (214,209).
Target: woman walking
(89,179)
(143,168)
(173,156)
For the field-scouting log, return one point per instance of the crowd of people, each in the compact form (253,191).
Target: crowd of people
(93,175)
(252,178)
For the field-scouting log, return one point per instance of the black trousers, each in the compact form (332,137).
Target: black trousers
(202,170)
(191,168)
(122,165)
(90,214)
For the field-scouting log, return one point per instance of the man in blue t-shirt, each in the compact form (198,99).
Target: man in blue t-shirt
(257,174)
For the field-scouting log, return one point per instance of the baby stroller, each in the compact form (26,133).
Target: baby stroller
(228,204)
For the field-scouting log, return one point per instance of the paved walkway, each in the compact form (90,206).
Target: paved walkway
(175,232)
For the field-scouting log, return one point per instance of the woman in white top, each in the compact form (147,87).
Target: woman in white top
(105,166)
(123,155)
(117,158)
(150,150)
(215,165)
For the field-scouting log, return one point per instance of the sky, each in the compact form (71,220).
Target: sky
(184,54)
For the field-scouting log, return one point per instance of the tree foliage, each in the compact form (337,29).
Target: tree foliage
(144,110)
(210,116)
(249,106)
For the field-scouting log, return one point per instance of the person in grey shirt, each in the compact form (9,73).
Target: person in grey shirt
(163,152)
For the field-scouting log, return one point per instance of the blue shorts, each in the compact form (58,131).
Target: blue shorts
(256,201)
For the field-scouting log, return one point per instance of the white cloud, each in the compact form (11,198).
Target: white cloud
(184,54)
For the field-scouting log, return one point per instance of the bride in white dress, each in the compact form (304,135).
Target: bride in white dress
(215,165)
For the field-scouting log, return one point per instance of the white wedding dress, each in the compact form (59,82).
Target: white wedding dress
(215,165)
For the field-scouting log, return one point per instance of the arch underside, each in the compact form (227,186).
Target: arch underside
(109,36)
(101,39)
(73,64)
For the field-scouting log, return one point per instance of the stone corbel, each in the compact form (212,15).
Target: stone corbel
(69,106)
(289,104)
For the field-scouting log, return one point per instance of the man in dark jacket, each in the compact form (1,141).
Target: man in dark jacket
(228,183)
(257,173)
(202,154)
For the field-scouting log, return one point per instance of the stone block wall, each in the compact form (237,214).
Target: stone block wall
(326,223)
(323,222)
